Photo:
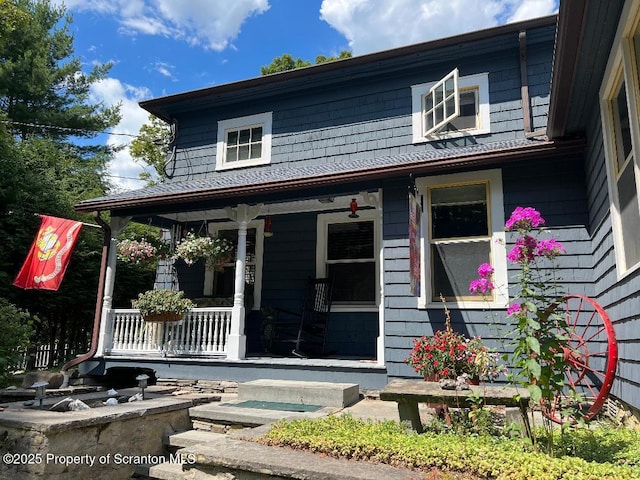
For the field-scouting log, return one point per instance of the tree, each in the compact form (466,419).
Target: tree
(44,110)
(40,82)
(286,62)
(150,147)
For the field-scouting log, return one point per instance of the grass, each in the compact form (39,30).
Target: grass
(603,453)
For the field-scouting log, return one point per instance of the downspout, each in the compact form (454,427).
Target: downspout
(98,314)
(524,89)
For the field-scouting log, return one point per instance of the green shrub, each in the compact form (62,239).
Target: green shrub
(481,455)
(15,331)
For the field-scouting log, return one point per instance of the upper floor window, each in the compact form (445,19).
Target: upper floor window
(462,220)
(620,110)
(244,141)
(451,107)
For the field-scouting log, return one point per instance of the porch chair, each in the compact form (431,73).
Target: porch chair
(307,329)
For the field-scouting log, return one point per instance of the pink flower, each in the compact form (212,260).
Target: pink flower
(523,250)
(514,309)
(481,285)
(485,270)
(524,219)
(549,248)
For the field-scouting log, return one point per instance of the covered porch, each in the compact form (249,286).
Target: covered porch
(279,244)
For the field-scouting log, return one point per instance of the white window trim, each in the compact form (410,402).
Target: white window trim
(497,242)
(261,119)
(323,221)
(257,287)
(620,57)
(479,80)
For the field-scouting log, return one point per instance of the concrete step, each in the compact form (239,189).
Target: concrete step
(337,395)
(192,437)
(228,414)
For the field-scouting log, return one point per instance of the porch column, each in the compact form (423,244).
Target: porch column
(237,342)
(106,321)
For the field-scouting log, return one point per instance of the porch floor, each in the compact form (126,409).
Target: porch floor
(367,373)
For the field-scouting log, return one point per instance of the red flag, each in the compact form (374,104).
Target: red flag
(49,255)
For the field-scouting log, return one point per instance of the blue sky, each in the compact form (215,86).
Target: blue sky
(163,47)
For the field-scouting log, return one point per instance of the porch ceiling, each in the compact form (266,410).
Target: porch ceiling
(238,185)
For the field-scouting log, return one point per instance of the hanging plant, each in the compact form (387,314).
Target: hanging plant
(136,251)
(216,252)
(162,305)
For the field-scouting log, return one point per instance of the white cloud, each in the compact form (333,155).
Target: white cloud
(213,24)
(373,25)
(112,91)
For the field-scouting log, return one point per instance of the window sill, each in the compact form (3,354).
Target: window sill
(463,305)
(243,164)
(354,308)
(435,137)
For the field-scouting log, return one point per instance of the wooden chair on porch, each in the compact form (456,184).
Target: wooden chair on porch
(306,329)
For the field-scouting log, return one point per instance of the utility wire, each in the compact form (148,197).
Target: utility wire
(67,129)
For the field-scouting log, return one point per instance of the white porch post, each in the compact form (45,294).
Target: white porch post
(237,342)
(106,320)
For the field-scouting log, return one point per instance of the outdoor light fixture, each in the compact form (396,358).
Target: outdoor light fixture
(354,208)
(142,382)
(267,227)
(41,390)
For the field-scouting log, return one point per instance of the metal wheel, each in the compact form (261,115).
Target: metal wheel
(592,357)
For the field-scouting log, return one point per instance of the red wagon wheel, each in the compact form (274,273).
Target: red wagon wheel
(591,355)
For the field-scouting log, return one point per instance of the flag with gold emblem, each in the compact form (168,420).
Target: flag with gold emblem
(49,255)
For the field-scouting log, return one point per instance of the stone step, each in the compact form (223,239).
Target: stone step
(228,414)
(160,471)
(337,395)
(192,437)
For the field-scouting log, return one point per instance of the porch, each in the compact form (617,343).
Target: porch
(270,272)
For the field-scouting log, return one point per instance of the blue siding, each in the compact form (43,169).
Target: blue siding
(370,116)
(552,187)
(619,298)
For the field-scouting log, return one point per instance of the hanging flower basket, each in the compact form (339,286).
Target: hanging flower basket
(216,252)
(136,251)
(162,305)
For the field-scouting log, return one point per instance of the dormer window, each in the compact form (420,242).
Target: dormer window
(451,107)
(244,141)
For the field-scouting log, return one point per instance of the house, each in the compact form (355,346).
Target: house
(324,158)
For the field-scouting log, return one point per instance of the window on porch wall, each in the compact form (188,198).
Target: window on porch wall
(220,284)
(347,252)
(620,105)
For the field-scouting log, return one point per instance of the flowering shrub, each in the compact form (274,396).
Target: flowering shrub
(538,329)
(162,301)
(135,251)
(214,251)
(449,354)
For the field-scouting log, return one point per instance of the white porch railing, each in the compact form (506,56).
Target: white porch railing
(204,331)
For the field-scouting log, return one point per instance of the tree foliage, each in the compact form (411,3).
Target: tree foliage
(150,147)
(47,123)
(286,62)
(41,83)
(15,330)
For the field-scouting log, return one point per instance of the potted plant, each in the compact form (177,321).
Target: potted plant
(162,305)
(216,252)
